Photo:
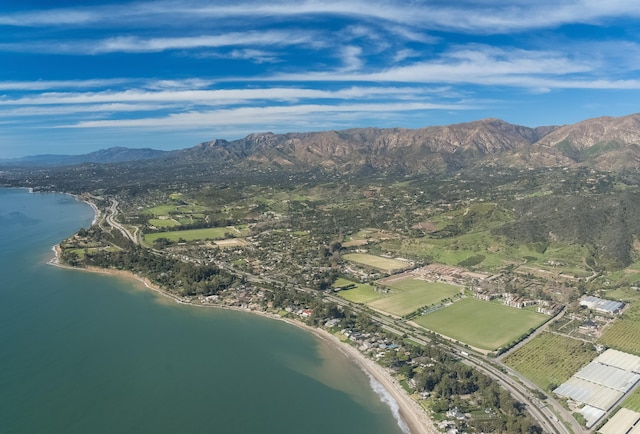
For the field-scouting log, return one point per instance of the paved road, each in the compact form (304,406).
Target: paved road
(111,214)
(520,388)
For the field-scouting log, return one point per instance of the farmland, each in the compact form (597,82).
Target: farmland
(386,265)
(633,401)
(551,359)
(485,325)
(195,234)
(624,333)
(408,295)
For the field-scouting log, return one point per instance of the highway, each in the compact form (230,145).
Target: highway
(111,214)
(545,413)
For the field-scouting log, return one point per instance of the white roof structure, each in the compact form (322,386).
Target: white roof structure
(621,360)
(608,376)
(589,393)
(592,415)
(602,305)
(603,383)
(622,422)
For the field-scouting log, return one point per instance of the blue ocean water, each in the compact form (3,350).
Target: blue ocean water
(89,353)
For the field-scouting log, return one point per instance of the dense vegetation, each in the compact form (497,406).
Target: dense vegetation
(547,234)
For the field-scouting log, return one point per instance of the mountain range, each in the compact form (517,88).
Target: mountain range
(605,143)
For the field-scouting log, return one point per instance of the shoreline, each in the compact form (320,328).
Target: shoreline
(411,413)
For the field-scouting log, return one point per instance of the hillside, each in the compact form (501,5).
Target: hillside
(605,143)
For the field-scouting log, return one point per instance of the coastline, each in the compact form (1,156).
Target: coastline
(411,414)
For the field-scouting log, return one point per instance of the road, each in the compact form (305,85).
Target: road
(545,413)
(111,214)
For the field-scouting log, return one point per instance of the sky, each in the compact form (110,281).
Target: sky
(78,76)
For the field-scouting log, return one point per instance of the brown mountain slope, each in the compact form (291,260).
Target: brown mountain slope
(605,143)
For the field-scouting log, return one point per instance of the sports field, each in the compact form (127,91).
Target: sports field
(163,223)
(384,264)
(194,234)
(482,324)
(360,294)
(408,295)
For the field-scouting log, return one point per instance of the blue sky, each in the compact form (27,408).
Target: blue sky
(80,76)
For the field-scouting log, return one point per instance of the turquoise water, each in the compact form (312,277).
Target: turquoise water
(89,353)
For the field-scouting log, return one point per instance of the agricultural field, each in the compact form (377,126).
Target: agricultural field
(488,252)
(386,265)
(408,295)
(550,359)
(195,234)
(362,293)
(482,324)
(633,401)
(624,333)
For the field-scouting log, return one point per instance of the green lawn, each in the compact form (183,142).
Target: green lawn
(360,294)
(482,324)
(163,223)
(194,234)
(551,359)
(383,264)
(160,210)
(408,295)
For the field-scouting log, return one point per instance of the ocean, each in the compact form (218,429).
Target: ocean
(89,353)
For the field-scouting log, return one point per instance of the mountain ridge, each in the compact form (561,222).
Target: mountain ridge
(604,143)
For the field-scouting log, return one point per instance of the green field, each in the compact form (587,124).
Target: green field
(160,210)
(384,264)
(551,359)
(163,223)
(408,295)
(624,333)
(195,234)
(492,252)
(360,294)
(482,324)
(633,401)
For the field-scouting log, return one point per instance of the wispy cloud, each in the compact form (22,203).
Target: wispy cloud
(135,44)
(214,97)
(482,17)
(277,115)
(60,84)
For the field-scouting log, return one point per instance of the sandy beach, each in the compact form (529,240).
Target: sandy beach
(410,411)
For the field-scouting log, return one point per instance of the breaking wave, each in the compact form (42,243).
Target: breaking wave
(387,399)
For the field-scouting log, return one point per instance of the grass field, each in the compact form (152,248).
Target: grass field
(410,294)
(194,234)
(384,264)
(496,253)
(633,401)
(160,210)
(360,294)
(551,359)
(163,223)
(482,324)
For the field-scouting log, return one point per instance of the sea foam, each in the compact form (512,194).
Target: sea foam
(386,398)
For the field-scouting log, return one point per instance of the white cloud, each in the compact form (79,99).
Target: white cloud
(280,115)
(214,97)
(59,84)
(481,17)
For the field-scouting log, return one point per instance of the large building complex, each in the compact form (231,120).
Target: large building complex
(602,383)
